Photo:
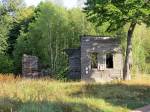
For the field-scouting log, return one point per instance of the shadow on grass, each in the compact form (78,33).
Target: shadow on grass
(128,96)
(11,105)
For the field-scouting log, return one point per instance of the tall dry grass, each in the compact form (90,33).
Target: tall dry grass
(45,95)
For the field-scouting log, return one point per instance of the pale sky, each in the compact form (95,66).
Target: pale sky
(67,3)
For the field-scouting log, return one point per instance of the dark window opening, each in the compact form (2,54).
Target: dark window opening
(94,61)
(109,60)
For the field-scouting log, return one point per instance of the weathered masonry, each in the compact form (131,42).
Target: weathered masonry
(98,59)
(30,66)
(74,63)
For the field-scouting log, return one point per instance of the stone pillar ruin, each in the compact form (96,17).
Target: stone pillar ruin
(30,66)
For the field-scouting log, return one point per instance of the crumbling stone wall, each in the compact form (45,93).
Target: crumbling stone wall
(74,63)
(30,66)
(102,46)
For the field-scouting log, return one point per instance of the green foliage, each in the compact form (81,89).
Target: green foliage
(5,24)
(6,64)
(147,68)
(12,18)
(19,33)
(22,47)
(23,17)
(11,6)
(146,42)
(140,48)
(139,53)
(8,10)
(118,12)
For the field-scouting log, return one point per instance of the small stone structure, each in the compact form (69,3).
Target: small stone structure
(98,59)
(74,63)
(30,66)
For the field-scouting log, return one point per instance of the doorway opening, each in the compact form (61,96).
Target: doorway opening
(109,60)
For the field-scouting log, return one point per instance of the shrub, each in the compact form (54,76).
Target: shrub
(6,64)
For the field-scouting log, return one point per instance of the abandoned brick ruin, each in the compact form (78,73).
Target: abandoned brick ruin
(30,66)
(97,59)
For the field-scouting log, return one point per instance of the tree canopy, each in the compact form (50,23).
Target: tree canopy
(118,12)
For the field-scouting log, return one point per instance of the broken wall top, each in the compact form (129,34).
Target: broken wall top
(99,39)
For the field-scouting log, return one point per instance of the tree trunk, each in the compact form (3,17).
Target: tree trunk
(127,64)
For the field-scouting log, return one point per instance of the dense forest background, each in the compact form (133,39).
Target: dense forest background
(46,30)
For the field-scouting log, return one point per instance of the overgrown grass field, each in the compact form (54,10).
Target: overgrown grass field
(46,95)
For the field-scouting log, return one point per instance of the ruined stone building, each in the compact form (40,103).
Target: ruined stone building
(97,59)
(30,66)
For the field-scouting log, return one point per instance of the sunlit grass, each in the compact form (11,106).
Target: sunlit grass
(45,95)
